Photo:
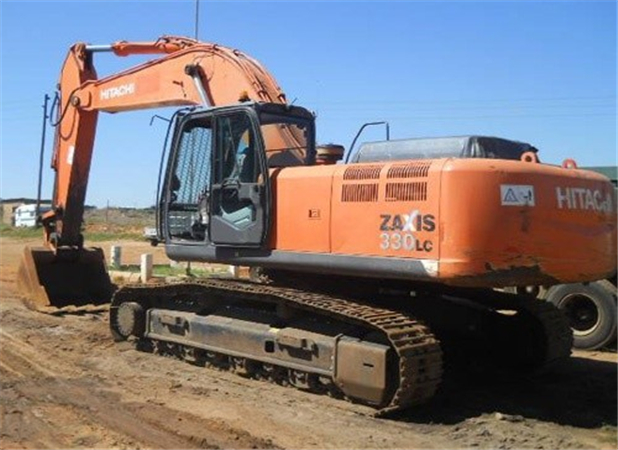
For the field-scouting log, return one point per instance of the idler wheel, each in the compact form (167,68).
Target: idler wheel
(130,320)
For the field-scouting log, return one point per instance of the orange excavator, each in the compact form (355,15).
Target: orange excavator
(364,273)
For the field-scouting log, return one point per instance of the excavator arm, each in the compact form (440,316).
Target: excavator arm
(188,72)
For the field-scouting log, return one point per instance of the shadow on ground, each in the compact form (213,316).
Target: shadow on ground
(580,392)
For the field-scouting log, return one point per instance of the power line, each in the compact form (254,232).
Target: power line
(387,106)
(332,117)
(472,100)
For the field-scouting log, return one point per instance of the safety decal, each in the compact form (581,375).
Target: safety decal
(517,195)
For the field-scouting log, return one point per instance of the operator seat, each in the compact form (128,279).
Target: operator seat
(246,165)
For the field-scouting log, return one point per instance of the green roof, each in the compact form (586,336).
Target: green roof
(610,172)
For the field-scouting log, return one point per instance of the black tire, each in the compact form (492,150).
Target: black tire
(591,310)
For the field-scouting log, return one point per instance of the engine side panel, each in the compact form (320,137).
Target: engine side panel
(302,209)
(382,210)
(387,210)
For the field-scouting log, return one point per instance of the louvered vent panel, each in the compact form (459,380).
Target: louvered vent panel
(410,170)
(415,191)
(359,193)
(362,173)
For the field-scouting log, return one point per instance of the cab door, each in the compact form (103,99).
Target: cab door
(184,199)
(240,191)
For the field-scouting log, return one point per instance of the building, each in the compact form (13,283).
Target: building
(26,215)
(610,172)
(8,206)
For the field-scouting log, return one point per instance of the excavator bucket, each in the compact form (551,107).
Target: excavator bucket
(47,279)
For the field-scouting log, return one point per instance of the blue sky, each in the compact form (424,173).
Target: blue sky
(540,72)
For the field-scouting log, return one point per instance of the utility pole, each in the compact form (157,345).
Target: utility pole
(197,18)
(38,193)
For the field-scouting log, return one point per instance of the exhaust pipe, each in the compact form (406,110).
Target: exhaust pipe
(64,278)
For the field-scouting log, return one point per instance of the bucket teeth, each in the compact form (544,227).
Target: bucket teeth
(47,279)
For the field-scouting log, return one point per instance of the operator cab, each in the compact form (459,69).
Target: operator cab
(217,186)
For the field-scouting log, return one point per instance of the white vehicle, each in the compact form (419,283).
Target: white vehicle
(25,215)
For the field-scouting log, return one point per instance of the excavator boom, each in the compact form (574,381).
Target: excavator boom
(188,73)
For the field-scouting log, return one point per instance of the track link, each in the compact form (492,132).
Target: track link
(419,357)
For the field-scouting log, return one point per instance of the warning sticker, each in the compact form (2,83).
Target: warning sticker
(517,195)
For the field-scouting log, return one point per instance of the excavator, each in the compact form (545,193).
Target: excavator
(366,274)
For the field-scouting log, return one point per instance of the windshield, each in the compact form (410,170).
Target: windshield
(286,140)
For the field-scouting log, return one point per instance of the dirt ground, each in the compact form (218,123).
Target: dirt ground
(65,384)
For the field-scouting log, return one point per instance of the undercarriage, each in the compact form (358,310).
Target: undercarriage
(372,345)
